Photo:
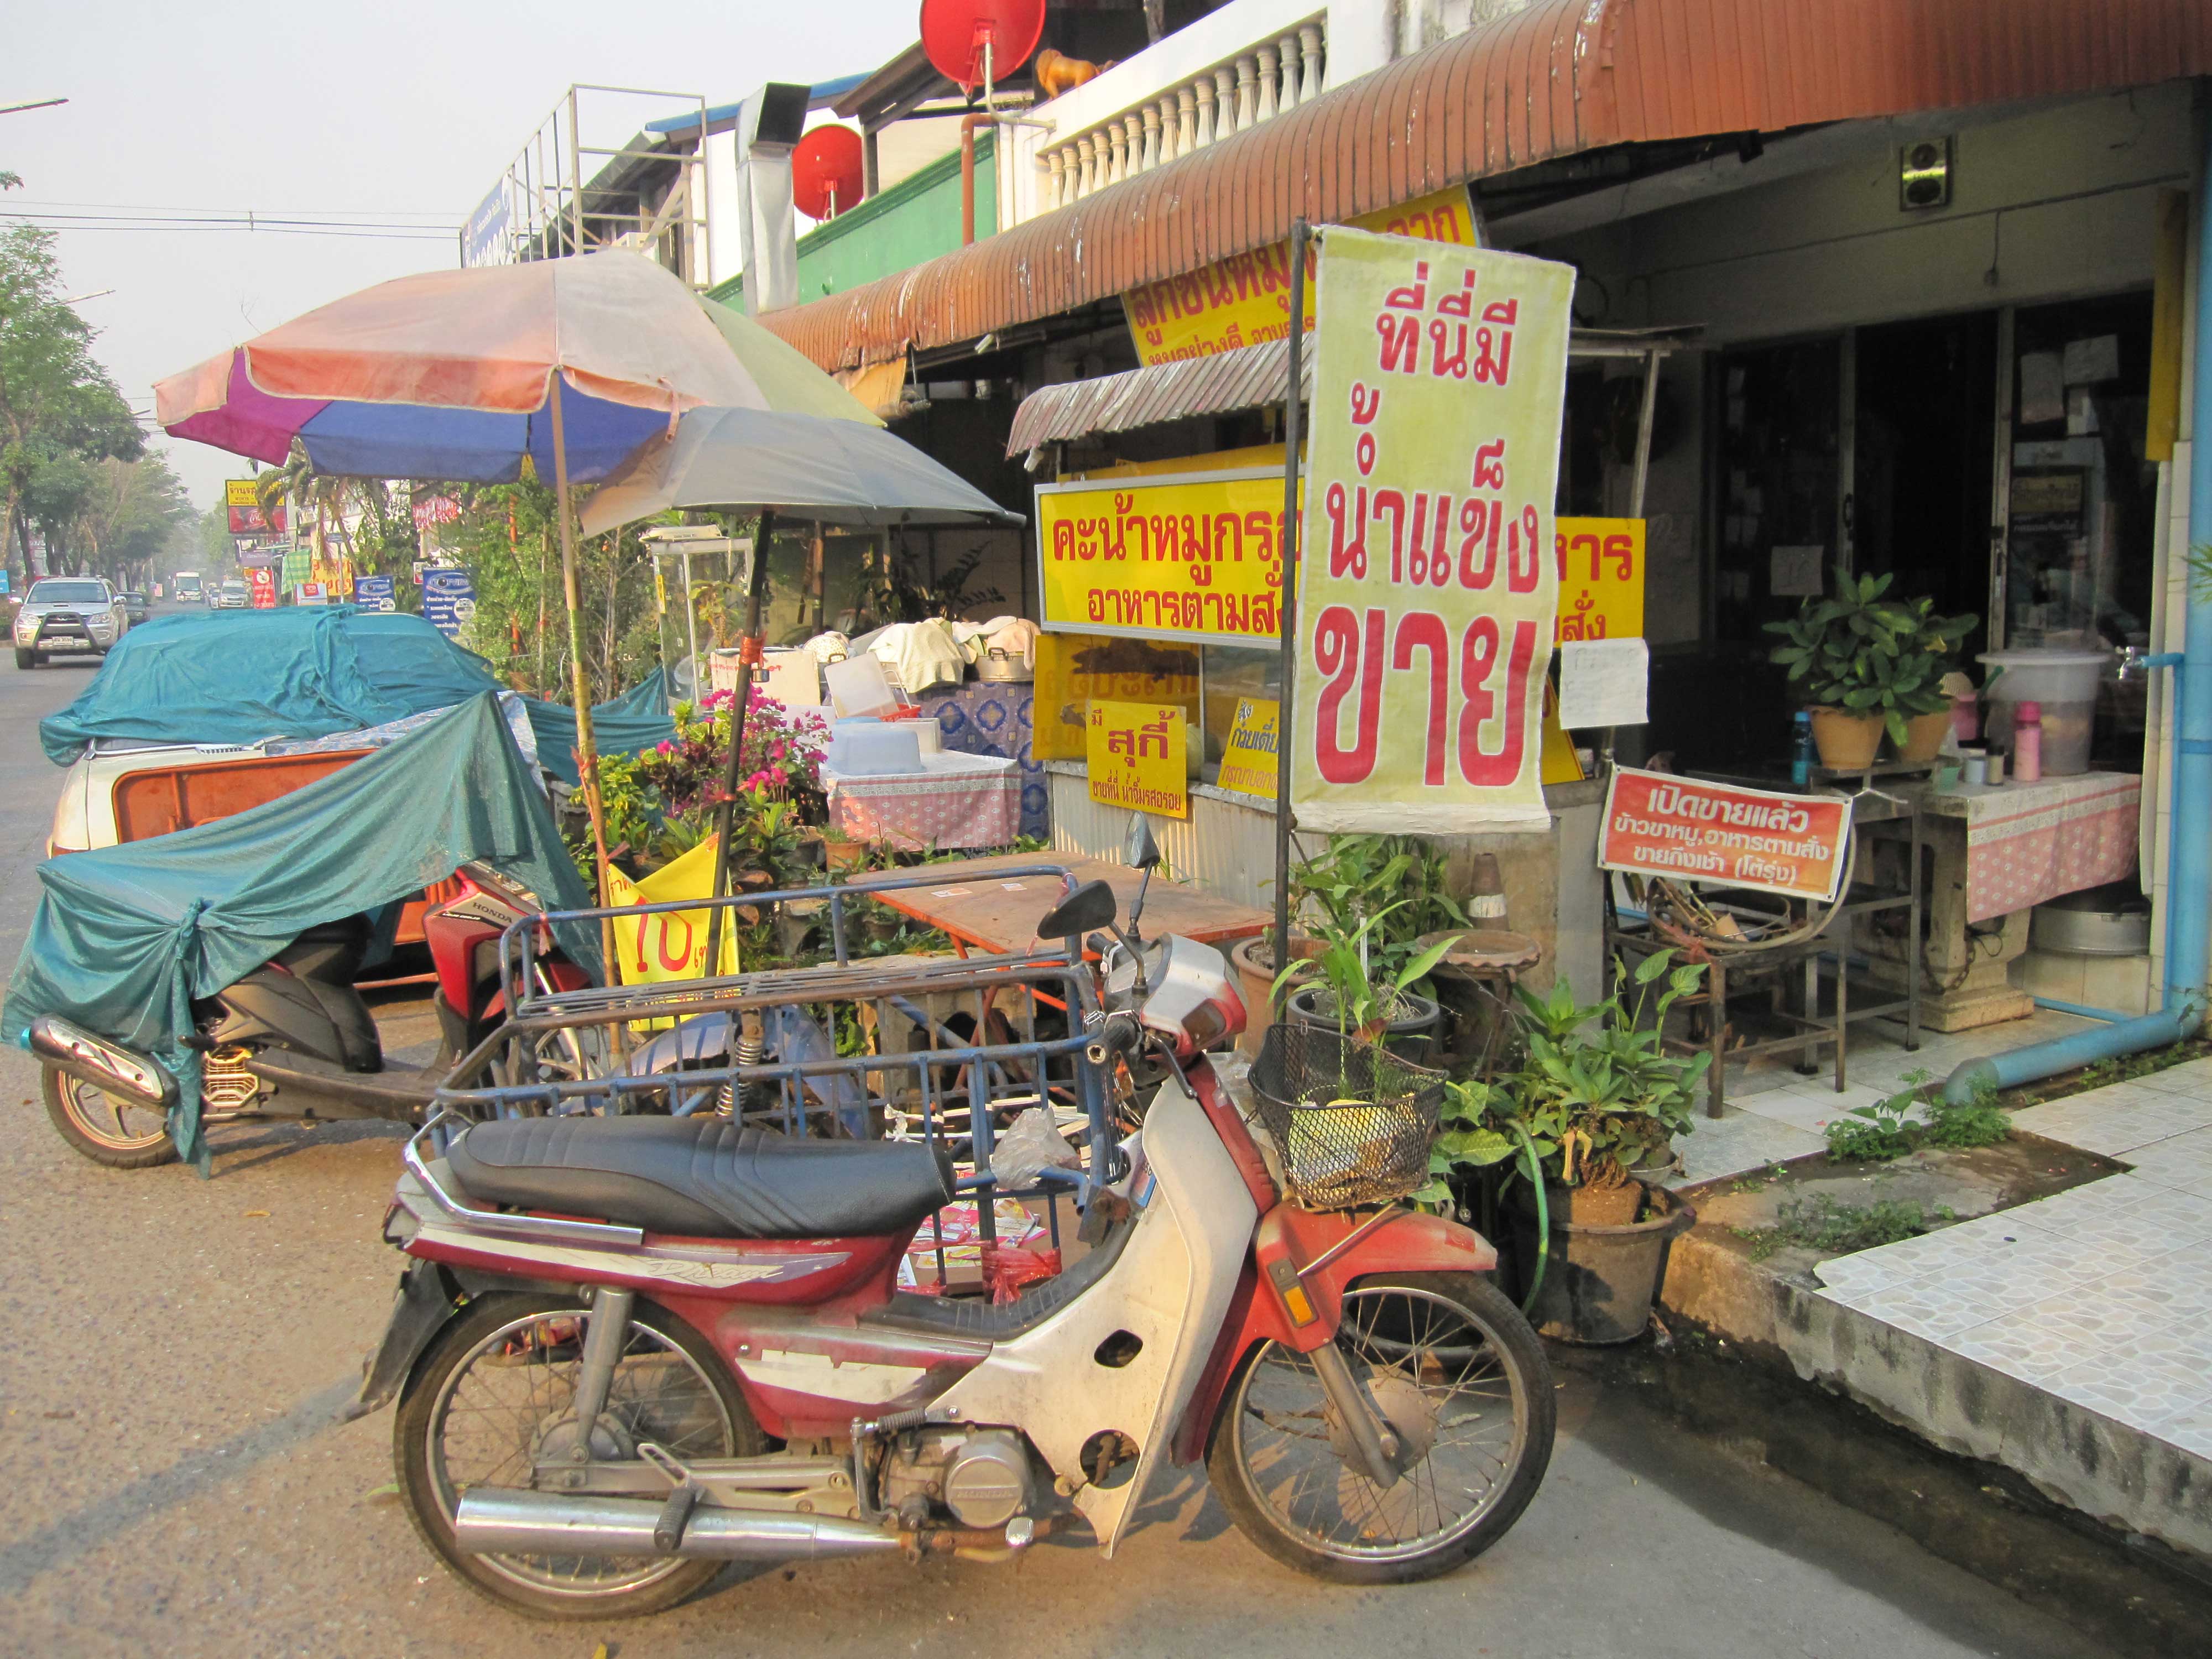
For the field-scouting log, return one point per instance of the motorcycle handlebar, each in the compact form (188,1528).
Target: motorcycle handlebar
(1120,1035)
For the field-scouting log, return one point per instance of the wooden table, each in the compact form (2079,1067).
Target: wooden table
(977,907)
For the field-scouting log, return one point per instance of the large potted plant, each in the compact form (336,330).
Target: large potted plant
(1594,1098)
(1870,665)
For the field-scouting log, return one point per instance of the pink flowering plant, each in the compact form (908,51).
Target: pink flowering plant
(662,802)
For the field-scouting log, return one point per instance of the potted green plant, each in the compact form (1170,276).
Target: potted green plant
(1363,992)
(1594,1098)
(1870,665)
(1398,882)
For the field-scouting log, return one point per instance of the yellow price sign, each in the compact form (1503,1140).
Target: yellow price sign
(1138,758)
(672,944)
(1601,578)
(1247,764)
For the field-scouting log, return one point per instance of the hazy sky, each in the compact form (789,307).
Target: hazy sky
(336,108)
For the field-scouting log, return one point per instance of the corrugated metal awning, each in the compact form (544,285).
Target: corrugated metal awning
(1557,77)
(1246,378)
(1227,381)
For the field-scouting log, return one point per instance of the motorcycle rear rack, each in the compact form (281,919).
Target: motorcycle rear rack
(957,1085)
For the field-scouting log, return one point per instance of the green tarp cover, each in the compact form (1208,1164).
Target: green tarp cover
(126,937)
(311,671)
(241,675)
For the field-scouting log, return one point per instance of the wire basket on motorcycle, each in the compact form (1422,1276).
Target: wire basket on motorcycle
(1352,1122)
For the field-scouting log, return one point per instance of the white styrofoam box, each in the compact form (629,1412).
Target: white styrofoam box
(858,685)
(793,677)
(873,748)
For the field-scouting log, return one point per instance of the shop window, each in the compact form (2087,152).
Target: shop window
(1228,675)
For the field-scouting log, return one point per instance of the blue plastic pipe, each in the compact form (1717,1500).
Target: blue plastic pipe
(2189,857)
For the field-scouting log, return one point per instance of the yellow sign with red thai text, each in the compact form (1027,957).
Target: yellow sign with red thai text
(1138,758)
(1425,592)
(1601,578)
(1194,557)
(1248,760)
(1246,299)
(1075,670)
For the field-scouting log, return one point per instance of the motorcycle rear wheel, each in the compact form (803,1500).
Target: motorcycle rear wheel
(119,1134)
(1459,1373)
(495,1378)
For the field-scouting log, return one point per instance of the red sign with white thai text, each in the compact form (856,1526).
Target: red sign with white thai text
(1658,824)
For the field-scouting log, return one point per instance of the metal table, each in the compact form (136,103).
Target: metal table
(1812,1029)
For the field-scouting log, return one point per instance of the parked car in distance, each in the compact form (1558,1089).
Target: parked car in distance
(231,596)
(137,607)
(67,614)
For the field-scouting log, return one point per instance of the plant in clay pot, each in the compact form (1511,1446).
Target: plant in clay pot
(1596,1091)
(1870,665)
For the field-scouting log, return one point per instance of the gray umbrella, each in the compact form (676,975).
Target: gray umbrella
(824,470)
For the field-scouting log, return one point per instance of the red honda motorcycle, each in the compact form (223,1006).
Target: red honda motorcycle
(294,1038)
(627,1349)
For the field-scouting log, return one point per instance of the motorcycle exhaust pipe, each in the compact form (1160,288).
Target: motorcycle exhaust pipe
(506,1520)
(76,1052)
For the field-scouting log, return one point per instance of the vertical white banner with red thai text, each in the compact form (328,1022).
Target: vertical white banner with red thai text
(1426,575)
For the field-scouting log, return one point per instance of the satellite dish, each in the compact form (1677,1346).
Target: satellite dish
(825,172)
(955,31)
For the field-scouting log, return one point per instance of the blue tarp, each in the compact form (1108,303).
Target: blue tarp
(301,671)
(126,937)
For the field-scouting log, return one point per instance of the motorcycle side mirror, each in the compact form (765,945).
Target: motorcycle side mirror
(1089,907)
(1139,850)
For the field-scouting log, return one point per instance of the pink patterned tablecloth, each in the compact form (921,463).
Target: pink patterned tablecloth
(965,801)
(2026,842)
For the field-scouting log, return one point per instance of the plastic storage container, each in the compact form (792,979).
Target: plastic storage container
(2063,684)
(873,748)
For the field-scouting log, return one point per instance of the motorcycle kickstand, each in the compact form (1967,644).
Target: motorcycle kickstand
(605,1335)
(1372,1436)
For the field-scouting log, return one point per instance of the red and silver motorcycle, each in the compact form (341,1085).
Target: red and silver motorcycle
(629,1348)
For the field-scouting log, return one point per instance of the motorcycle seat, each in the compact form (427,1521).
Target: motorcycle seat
(701,1178)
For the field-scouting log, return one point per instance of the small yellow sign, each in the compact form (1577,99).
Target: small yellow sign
(1138,758)
(1248,764)
(241,492)
(1601,578)
(672,944)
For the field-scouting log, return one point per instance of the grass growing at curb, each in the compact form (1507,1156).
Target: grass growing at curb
(1821,1224)
(1882,1131)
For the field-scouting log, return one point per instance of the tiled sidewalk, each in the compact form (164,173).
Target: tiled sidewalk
(2101,1295)
(1774,1113)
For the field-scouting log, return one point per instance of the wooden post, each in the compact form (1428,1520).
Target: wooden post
(587,754)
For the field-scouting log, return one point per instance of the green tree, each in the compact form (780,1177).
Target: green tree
(56,402)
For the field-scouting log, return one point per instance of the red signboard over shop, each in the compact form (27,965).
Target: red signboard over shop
(1658,824)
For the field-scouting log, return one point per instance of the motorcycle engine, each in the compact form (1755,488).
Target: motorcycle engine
(981,1475)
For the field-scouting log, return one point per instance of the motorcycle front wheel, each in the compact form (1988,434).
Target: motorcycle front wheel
(1450,1362)
(493,1394)
(106,1129)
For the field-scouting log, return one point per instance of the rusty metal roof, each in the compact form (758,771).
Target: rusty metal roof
(1553,79)
(1246,378)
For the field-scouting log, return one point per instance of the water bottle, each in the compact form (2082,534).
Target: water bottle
(1800,749)
(2027,743)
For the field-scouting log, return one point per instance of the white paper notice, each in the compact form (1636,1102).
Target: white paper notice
(1794,573)
(1602,682)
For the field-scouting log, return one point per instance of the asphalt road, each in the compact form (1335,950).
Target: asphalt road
(177,1351)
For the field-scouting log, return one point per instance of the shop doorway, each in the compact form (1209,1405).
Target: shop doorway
(1923,439)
